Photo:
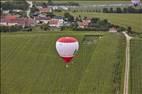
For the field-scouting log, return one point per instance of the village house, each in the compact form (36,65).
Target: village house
(54,7)
(5,11)
(84,23)
(57,21)
(26,22)
(38,6)
(17,10)
(45,10)
(8,20)
(5,22)
(59,8)
(42,20)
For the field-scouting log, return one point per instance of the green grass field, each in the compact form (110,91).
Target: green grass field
(30,64)
(136,67)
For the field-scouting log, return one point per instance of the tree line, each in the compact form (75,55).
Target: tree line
(10,5)
(15,28)
(122,10)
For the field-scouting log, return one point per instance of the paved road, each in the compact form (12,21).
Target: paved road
(127,65)
(29,10)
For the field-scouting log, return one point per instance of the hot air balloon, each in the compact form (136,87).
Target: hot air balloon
(66,48)
(135,2)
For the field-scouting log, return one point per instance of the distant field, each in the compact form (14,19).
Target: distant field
(136,67)
(133,20)
(94,2)
(80,1)
(30,64)
(69,0)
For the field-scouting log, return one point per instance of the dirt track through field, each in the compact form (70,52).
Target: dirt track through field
(127,65)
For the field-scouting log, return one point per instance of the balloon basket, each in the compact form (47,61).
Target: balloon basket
(67,66)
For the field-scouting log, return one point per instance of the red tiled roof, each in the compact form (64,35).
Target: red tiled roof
(54,21)
(44,9)
(84,23)
(10,17)
(19,21)
(43,18)
(25,21)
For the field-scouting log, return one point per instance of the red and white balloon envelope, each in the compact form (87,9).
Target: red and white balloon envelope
(136,2)
(67,48)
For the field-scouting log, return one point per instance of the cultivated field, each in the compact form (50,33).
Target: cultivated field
(136,67)
(30,64)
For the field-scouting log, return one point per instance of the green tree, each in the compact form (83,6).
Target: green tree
(105,10)
(111,10)
(68,17)
(94,20)
(125,10)
(23,5)
(118,10)
(45,27)
(50,2)
(129,29)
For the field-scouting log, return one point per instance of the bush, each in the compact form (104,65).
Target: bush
(129,29)
(58,10)
(27,28)
(45,27)
(120,29)
(50,15)
(103,22)
(67,28)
